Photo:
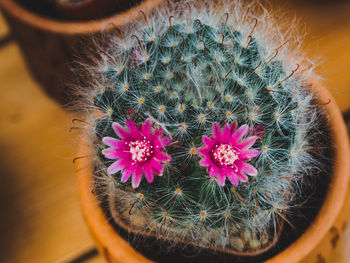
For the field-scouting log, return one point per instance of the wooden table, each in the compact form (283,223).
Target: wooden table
(40,216)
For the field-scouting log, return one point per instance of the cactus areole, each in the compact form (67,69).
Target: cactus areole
(200,120)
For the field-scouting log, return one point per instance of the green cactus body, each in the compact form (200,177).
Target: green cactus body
(184,71)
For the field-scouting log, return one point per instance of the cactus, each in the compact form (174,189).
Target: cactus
(200,122)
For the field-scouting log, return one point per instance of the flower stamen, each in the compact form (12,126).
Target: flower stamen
(225,155)
(140,150)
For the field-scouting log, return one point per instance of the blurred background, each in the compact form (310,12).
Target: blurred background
(40,219)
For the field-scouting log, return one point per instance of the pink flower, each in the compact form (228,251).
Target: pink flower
(256,130)
(139,151)
(226,154)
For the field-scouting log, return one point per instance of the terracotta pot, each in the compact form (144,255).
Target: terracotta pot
(315,245)
(318,242)
(49,46)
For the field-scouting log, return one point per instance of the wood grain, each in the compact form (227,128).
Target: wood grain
(40,216)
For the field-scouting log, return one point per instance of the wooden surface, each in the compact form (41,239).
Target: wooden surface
(40,219)
(40,216)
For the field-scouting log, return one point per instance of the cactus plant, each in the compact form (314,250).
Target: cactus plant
(200,121)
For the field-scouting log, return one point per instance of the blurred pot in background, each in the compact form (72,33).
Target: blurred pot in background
(50,37)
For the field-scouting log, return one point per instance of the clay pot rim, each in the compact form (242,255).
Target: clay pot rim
(105,234)
(77,27)
(338,188)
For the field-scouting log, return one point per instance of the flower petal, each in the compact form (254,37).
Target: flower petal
(226,133)
(115,167)
(126,174)
(248,142)
(146,128)
(112,153)
(162,157)
(157,133)
(233,179)
(239,133)
(248,154)
(136,178)
(157,167)
(113,142)
(149,173)
(233,127)
(207,141)
(228,171)
(221,179)
(242,177)
(203,151)
(165,141)
(205,162)
(213,170)
(120,131)
(216,131)
(133,130)
(246,168)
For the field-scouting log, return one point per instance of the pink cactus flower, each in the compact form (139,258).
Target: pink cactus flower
(227,154)
(139,151)
(256,130)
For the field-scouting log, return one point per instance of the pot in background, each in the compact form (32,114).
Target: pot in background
(49,46)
